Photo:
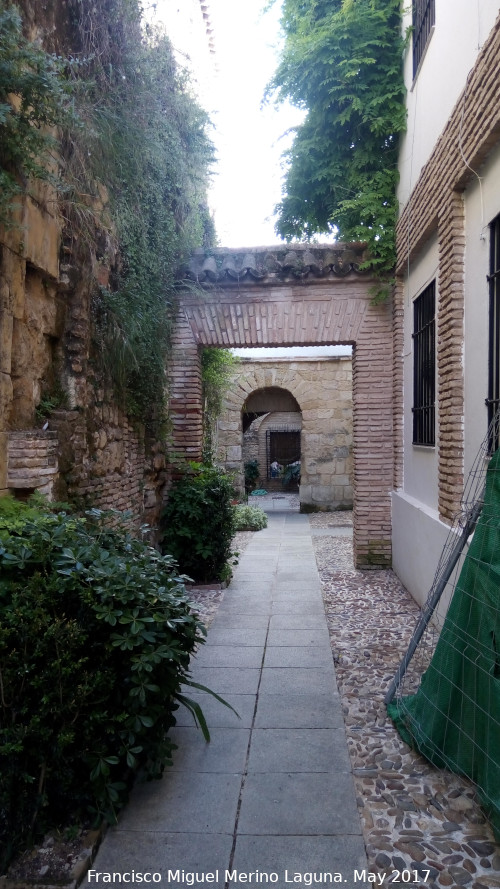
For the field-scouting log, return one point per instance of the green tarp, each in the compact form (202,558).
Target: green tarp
(454,718)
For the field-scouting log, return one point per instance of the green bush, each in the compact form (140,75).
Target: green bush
(96,633)
(197,524)
(249,518)
(251,474)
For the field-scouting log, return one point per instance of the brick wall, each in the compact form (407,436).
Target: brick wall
(320,301)
(33,462)
(436,205)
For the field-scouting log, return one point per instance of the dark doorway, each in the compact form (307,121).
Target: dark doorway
(282,449)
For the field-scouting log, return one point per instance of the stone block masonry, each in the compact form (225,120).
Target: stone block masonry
(91,453)
(323,389)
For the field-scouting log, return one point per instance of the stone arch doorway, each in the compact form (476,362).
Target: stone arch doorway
(271,421)
(296,297)
(312,397)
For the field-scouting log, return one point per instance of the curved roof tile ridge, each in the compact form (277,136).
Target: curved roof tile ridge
(283,261)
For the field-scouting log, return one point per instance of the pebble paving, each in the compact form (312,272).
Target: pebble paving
(415,818)
(418,822)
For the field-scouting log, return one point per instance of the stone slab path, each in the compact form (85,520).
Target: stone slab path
(273,793)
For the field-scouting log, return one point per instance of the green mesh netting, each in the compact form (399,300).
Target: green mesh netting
(454,717)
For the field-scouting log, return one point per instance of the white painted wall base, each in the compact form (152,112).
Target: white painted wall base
(418,537)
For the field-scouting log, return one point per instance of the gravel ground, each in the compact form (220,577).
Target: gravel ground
(414,816)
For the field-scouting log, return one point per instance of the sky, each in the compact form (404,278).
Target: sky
(249,137)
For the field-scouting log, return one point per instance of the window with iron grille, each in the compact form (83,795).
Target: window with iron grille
(423,18)
(493,400)
(424,366)
(282,447)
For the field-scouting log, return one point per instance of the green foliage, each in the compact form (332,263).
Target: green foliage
(96,634)
(342,63)
(291,473)
(147,143)
(217,366)
(118,130)
(35,96)
(251,474)
(197,523)
(249,518)
(51,399)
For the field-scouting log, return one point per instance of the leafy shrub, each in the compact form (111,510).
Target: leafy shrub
(291,473)
(251,474)
(249,518)
(96,633)
(197,523)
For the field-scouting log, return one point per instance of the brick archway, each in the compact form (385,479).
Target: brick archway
(282,297)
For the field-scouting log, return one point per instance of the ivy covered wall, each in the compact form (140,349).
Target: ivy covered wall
(98,213)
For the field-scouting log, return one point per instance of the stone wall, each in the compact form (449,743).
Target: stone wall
(91,452)
(254,442)
(323,390)
(33,463)
(48,276)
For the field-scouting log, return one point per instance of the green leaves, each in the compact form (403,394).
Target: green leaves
(217,366)
(249,518)
(96,633)
(342,61)
(35,96)
(152,151)
(197,523)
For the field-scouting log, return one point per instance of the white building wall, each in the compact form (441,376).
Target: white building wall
(420,462)
(418,533)
(460,30)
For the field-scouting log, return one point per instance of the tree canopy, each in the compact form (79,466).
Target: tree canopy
(342,62)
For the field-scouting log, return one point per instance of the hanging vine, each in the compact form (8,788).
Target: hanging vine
(342,62)
(115,126)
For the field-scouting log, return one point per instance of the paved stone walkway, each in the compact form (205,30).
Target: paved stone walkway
(273,791)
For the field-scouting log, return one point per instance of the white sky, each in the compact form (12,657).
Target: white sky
(249,139)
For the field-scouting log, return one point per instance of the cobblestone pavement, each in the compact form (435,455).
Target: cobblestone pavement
(414,816)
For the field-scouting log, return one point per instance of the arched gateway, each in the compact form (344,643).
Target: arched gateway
(303,296)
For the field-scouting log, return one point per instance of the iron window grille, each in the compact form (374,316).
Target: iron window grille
(493,400)
(423,19)
(424,366)
(282,447)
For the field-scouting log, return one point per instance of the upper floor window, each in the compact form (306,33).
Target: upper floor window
(424,366)
(493,400)
(423,18)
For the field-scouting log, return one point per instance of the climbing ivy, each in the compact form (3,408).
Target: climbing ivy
(147,143)
(116,127)
(36,95)
(216,368)
(342,62)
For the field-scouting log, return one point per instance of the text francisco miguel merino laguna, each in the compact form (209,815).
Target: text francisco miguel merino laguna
(190,878)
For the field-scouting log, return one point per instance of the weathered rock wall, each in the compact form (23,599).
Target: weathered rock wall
(90,450)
